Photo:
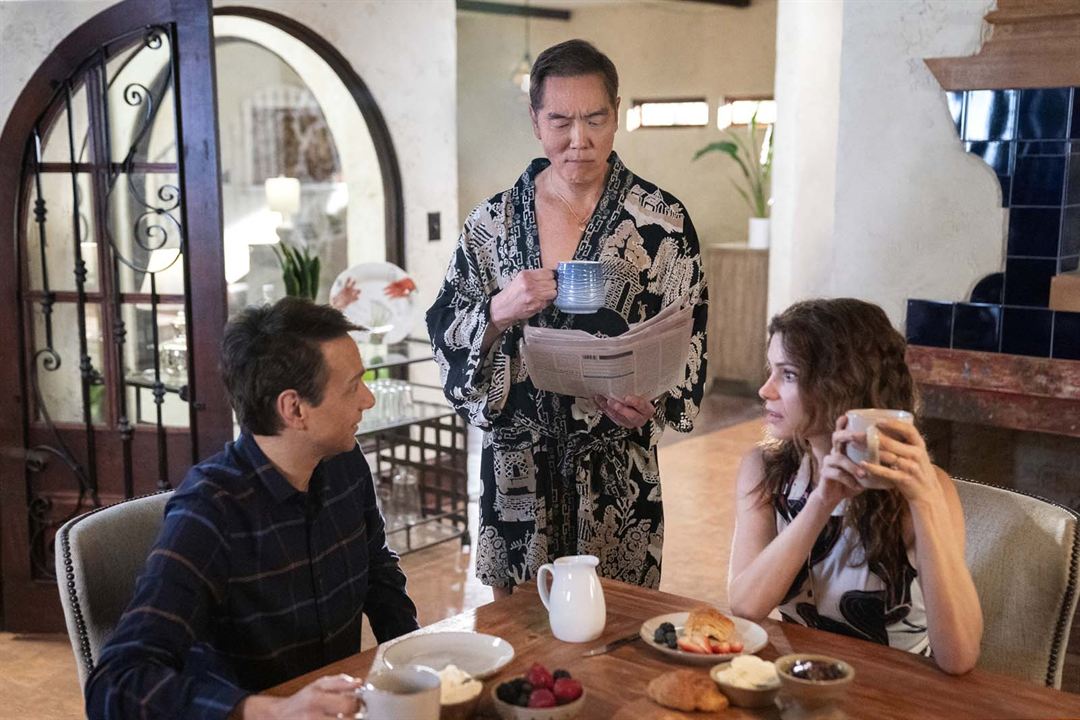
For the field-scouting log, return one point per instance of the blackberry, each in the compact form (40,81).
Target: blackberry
(560,674)
(507,692)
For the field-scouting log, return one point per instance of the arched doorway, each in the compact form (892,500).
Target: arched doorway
(113,287)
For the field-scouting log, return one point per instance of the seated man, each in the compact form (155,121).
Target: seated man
(270,550)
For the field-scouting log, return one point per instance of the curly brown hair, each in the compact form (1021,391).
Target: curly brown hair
(847,355)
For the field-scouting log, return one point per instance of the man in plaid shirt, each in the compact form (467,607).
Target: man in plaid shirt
(271,550)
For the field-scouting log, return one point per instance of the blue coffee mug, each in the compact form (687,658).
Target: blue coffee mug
(581,286)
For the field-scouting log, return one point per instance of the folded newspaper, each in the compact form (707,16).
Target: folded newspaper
(647,360)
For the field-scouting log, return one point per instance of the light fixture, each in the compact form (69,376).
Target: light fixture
(739,112)
(520,76)
(283,196)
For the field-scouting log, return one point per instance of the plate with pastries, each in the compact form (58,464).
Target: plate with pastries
(703,636)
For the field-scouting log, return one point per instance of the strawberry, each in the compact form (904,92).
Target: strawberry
(539,677)
(688,645)
(566,690)
(736,647)
(542,697)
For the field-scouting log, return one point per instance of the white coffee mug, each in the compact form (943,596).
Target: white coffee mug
(410,691)
(865,420)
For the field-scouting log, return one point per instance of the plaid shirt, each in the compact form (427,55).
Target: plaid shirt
(251,583)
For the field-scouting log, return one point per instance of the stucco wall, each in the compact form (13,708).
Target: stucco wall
(888,206)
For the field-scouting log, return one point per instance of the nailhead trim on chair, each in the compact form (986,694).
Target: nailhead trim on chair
(1059,641)
(69,572)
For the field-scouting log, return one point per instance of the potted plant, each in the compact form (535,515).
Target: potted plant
(756,167)
(299,270)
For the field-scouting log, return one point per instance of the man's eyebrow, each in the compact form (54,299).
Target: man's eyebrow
(357,376)
(594,113)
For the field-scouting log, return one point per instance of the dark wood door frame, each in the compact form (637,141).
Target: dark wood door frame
(25,604)
(394,203)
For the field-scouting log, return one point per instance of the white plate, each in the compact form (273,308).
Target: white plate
(752,635)
(373,308)
(478,654)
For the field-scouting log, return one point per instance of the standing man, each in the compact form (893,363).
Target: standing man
(271,550)
(564,475)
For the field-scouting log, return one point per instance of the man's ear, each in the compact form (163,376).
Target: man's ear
(535,122)
(290,410)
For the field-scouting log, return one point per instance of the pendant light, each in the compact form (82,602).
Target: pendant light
(520,76)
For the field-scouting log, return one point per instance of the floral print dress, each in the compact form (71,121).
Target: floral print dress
(559,477)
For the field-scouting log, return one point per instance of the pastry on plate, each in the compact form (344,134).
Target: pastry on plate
(706,621)
(686,690)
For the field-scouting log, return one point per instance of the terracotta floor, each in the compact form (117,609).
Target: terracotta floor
(37,673)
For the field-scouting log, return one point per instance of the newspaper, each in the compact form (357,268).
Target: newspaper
(647,360)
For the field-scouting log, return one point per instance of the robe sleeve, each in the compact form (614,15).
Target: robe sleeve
(476,383)
(680,406)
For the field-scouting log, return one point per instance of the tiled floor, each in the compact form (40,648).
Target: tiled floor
(37,673)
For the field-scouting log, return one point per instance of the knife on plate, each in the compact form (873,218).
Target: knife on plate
(611,645)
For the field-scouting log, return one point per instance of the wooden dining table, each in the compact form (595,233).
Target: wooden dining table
(888,683)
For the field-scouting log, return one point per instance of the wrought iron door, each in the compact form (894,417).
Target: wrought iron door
(112,279)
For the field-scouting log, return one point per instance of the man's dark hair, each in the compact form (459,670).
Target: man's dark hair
(269,349)
(572,58)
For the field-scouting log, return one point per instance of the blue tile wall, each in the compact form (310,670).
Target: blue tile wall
(976,327)
(1031,140)
(1034,232)
(1027,331)
(929,323)
(1038,180)
(990,114)
(991,289)
(1066,336)
(1027,281)
(1044,113)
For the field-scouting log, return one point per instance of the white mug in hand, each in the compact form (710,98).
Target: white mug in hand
(865,420)
(411,691)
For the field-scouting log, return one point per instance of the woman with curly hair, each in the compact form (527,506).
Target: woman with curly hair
(881,565)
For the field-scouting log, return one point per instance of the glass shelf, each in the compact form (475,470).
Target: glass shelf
(408,351)
(421,411)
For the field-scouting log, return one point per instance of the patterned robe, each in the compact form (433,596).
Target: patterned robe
(559,477)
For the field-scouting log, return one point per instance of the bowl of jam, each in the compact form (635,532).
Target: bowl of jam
(813,680)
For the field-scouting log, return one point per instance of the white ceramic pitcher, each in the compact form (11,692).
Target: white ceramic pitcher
(575,601)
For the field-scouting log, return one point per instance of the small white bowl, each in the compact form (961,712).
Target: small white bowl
(559,712)
(743,696)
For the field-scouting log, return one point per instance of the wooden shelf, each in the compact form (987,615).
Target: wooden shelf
(999,390)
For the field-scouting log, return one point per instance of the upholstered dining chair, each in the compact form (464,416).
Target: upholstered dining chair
(1024,555)
(99,556)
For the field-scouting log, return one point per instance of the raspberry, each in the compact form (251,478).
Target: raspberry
(542,698)
(566,690)
(539,676)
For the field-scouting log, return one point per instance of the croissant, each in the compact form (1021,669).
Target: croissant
(686,690)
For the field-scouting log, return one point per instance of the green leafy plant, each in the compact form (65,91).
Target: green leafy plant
(755,164)
(299,270)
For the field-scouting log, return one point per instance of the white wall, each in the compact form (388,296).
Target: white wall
(661,50)
(874,194)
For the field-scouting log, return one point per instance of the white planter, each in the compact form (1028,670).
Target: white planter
(759,233)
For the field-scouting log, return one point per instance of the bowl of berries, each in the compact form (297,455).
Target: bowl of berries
(539,695)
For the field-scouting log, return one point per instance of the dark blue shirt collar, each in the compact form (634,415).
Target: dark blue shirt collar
(280,488)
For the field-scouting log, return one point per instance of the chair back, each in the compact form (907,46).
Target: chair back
(1024,555)
(99,556)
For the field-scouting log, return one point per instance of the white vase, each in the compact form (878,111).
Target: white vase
(759,233)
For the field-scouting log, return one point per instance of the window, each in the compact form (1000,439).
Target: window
(682,112)
(738,111)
